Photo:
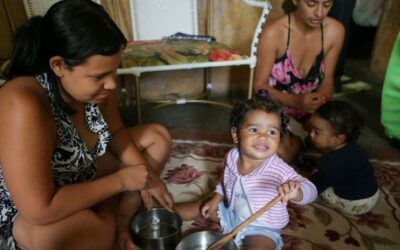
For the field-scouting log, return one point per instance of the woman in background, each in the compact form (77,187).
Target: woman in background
(296,62)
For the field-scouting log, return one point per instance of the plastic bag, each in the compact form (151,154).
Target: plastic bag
(368,12)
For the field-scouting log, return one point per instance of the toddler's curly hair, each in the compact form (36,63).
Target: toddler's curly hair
(343,118)
(261,101)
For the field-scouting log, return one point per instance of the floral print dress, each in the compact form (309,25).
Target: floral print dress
(286,78)
(71,162)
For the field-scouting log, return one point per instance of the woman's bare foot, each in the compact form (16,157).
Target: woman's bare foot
(124,241)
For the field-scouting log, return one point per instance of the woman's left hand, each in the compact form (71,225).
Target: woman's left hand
(159,192)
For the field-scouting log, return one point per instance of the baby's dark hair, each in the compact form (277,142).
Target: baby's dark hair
(261,101)
(343,118)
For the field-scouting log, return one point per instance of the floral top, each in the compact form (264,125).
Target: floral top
(71,162)
(286,78)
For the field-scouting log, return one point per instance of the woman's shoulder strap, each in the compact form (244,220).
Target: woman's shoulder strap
(288,37)
(322,35)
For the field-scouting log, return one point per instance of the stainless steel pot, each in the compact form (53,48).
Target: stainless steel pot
(156,229)
(202,240)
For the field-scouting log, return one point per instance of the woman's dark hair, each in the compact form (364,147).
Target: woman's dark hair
(72,29)
(288,6)
(343,118)
(261,101)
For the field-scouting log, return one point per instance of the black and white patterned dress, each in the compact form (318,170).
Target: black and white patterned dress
(71,162)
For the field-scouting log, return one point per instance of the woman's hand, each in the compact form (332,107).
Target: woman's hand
(159,191)
(311,101)
(290,190)
(135,177)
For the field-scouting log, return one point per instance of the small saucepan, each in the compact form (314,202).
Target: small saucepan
(202,240)
(156,229)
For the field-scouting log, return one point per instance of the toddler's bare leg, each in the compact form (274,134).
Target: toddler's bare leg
(192,209)
(188,210)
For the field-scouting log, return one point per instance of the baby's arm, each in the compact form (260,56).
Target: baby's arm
(290,190)
(298,190)
(210,207)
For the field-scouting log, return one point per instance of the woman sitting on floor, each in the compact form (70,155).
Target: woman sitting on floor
(296,62)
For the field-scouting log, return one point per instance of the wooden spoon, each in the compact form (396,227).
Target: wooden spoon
(222,241)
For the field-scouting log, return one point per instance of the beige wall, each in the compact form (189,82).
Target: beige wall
(234,24)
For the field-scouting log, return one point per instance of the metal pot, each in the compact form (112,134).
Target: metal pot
(202,240)
(156,229)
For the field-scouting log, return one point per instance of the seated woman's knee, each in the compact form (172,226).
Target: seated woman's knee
(161,131)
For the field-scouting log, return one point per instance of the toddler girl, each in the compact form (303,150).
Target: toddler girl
(254,175)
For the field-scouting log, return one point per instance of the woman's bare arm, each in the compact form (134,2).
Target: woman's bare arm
(333,38)
(125,148)
(27,136)
(121,145)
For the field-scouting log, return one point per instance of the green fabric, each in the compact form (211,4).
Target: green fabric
(390,109)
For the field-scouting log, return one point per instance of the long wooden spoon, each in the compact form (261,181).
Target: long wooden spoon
(222,241)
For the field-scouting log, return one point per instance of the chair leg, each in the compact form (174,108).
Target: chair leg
(138,99)
(207,83)
(251,80)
